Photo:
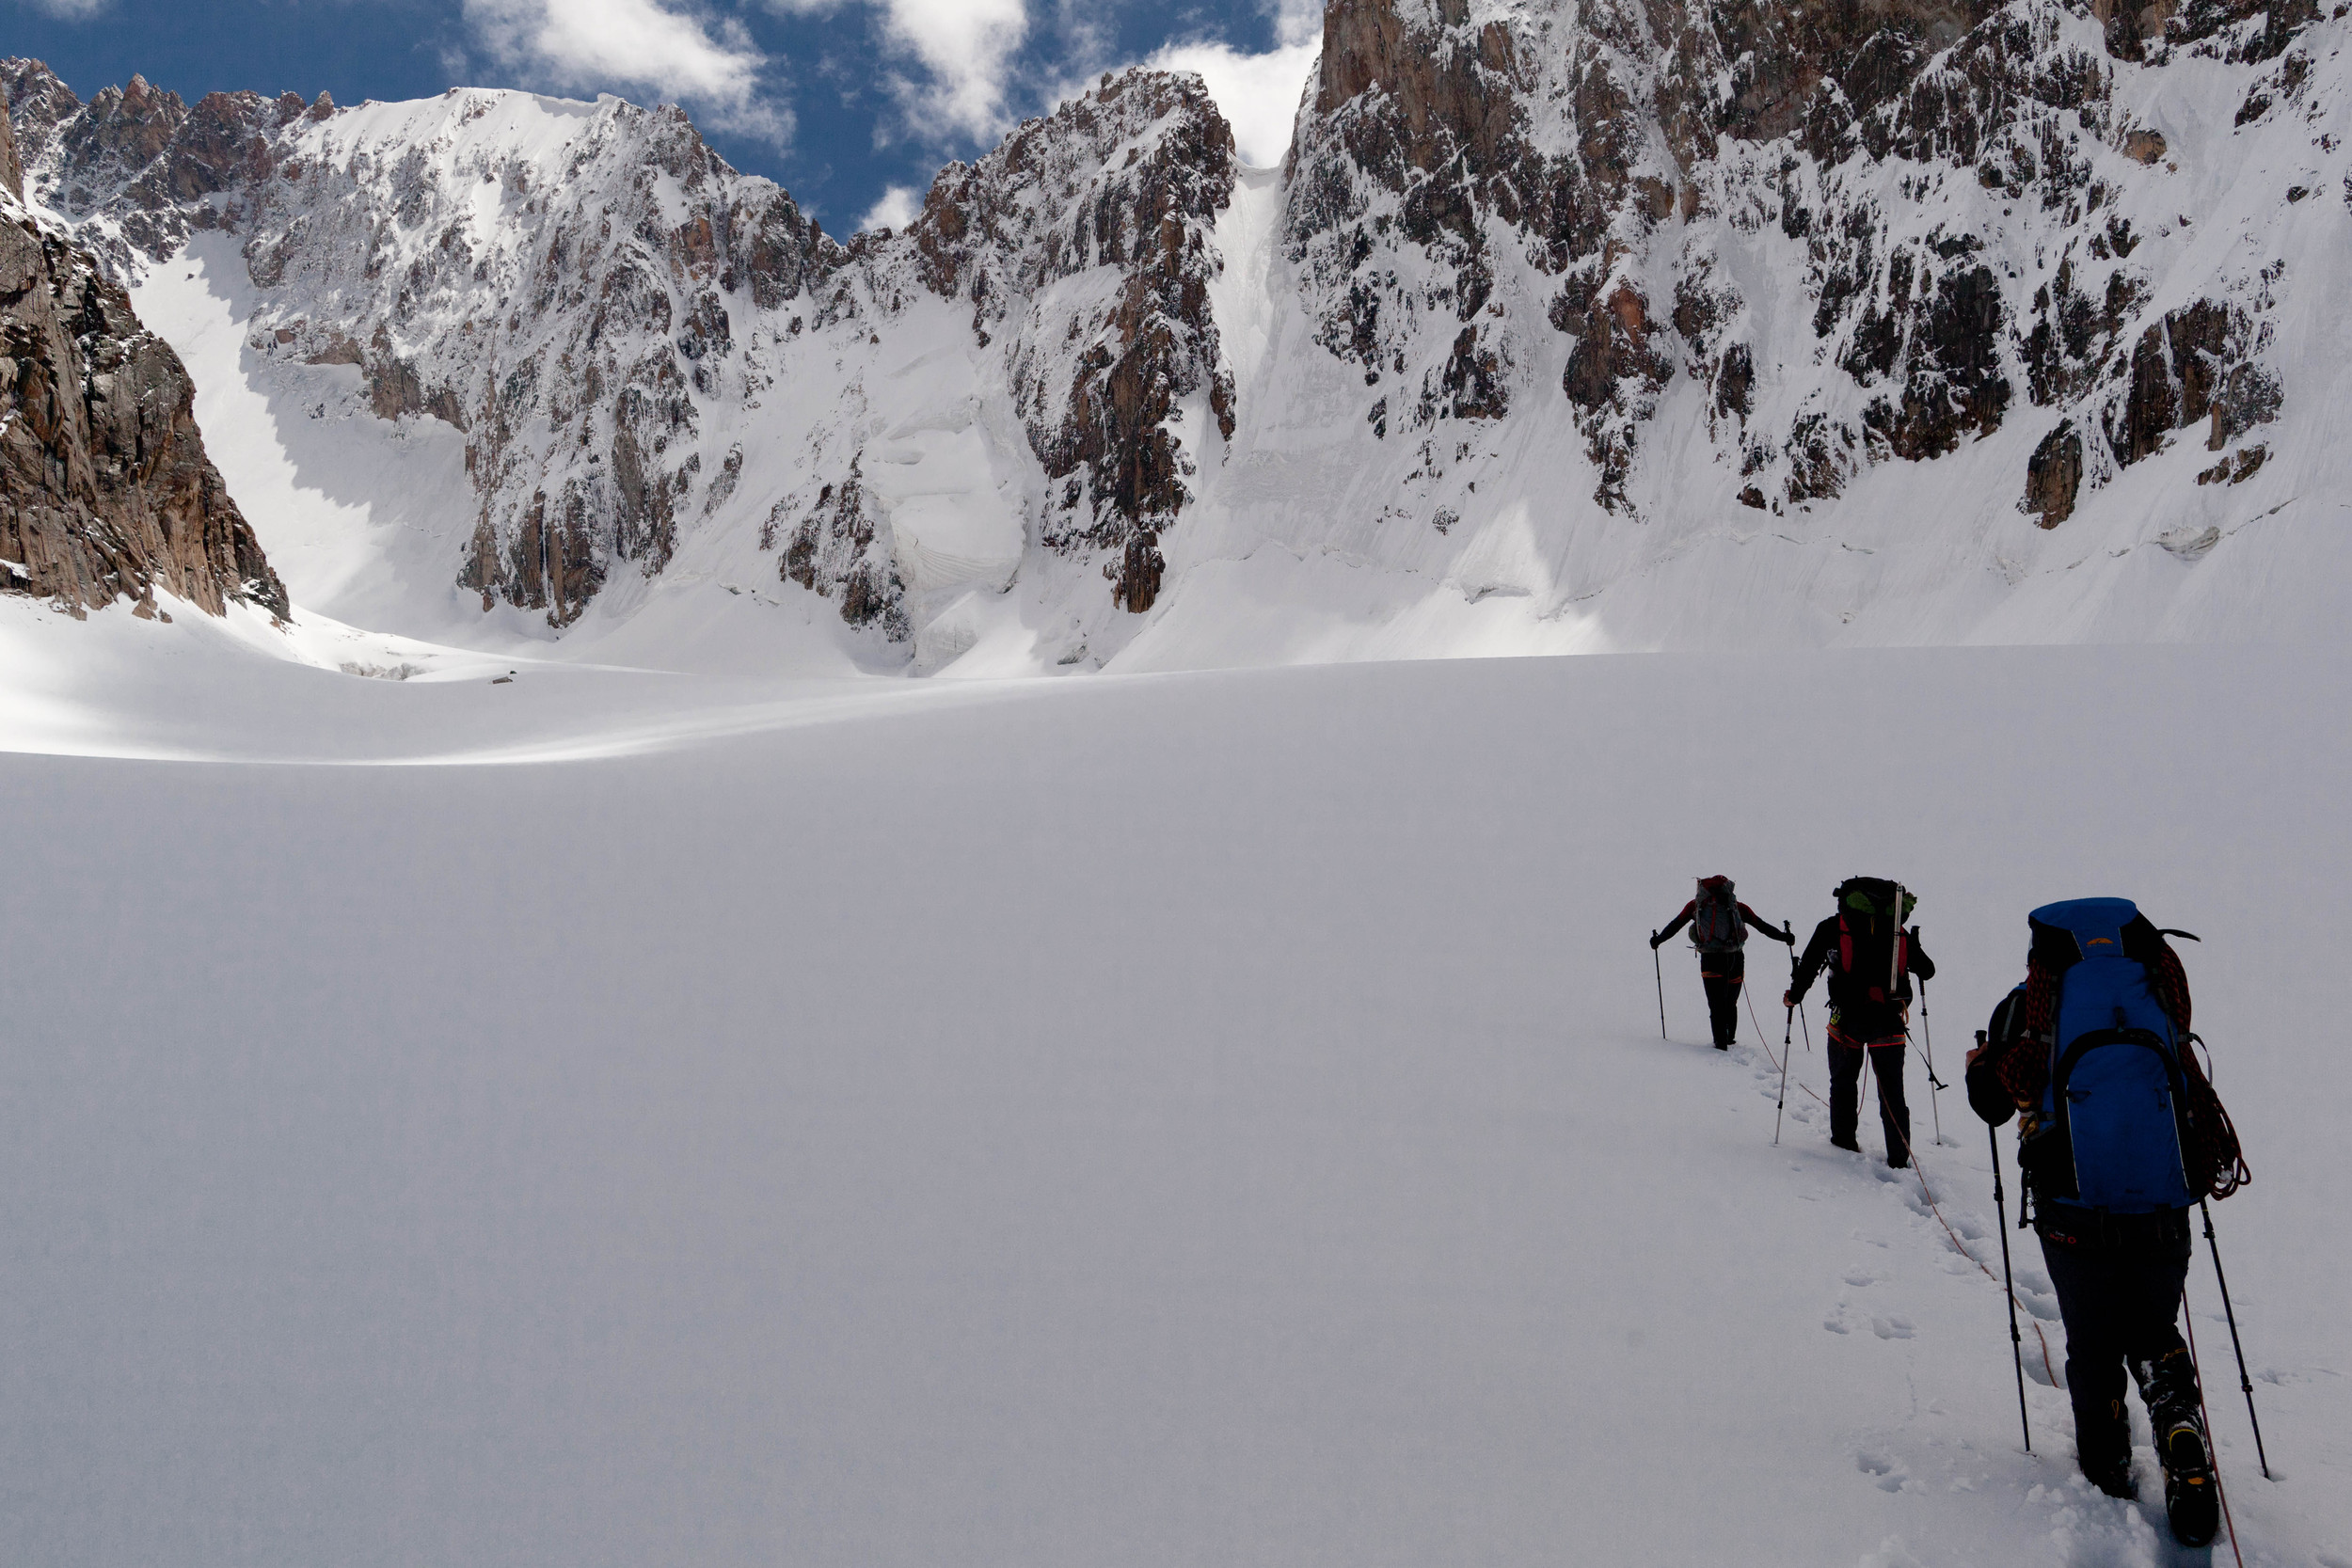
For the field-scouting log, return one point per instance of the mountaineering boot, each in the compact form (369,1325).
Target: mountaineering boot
(2105,1453)
(1845,1143)
(2115,1480)
(2192,1500)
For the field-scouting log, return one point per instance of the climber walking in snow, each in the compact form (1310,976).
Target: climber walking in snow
(1718,929)
(2121,1134)
(1870,957)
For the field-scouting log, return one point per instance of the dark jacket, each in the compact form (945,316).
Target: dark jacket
(1856,1013)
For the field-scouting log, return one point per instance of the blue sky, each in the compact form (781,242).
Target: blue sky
(851,104)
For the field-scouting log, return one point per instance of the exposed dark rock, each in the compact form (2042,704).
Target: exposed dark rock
(1955,388)
(1735,381)
(2054,475)
(1137,587)
(2230,470)
(11,170)
(1105,430)
(834,544)
(2248,395)
(105,490)
(1476,382)
(2193,366)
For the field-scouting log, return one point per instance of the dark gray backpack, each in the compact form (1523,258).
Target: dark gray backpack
(1715,924)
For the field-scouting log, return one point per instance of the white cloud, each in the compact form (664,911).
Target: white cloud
(1297,22)
(966,49)
(595,45)
(72,10)
(1258,94)
(895,209)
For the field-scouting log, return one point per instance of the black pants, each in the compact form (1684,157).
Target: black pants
(1845,1094)
(2121,1300)
(1721,975)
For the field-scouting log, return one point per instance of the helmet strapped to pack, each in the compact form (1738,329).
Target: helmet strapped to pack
(1873,948)
(2115,1099)
(1715,923)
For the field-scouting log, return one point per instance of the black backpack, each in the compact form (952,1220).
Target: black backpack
(1872,946)
(1715,923)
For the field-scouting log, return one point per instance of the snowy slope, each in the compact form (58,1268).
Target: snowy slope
(1150,1120)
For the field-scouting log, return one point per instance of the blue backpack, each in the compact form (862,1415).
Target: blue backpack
(2116,1094)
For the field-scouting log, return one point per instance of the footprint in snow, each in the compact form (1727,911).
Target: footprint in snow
(1891,1328)
(1861,1277)
(1886,1473)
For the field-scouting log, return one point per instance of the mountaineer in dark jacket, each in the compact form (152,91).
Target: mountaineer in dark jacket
(1870,957)
(1719,924)
(2117,1267)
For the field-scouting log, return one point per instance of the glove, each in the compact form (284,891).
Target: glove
(1788,933)
(1787,1002)
(1654,940)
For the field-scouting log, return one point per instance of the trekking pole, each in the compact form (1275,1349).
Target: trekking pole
(2016,1342)
(2245,1383)
(1936,1085)
(1787,1024)
(1661,969)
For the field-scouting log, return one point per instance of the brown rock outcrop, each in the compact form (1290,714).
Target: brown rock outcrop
(105,490)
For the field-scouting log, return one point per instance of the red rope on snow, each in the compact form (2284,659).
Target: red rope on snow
(1922,1178)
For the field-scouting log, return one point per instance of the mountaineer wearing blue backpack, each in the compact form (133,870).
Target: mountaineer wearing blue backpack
(2121,1136)
(1871,957)
(1718,929)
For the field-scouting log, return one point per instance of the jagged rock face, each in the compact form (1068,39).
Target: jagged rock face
(1077,258)
(1473,172)
(105,490)
(1099,392)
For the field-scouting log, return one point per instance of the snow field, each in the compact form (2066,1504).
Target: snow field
(1149,1120)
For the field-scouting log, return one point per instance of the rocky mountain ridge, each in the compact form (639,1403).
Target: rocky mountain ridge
(600,305)
(1546,300)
